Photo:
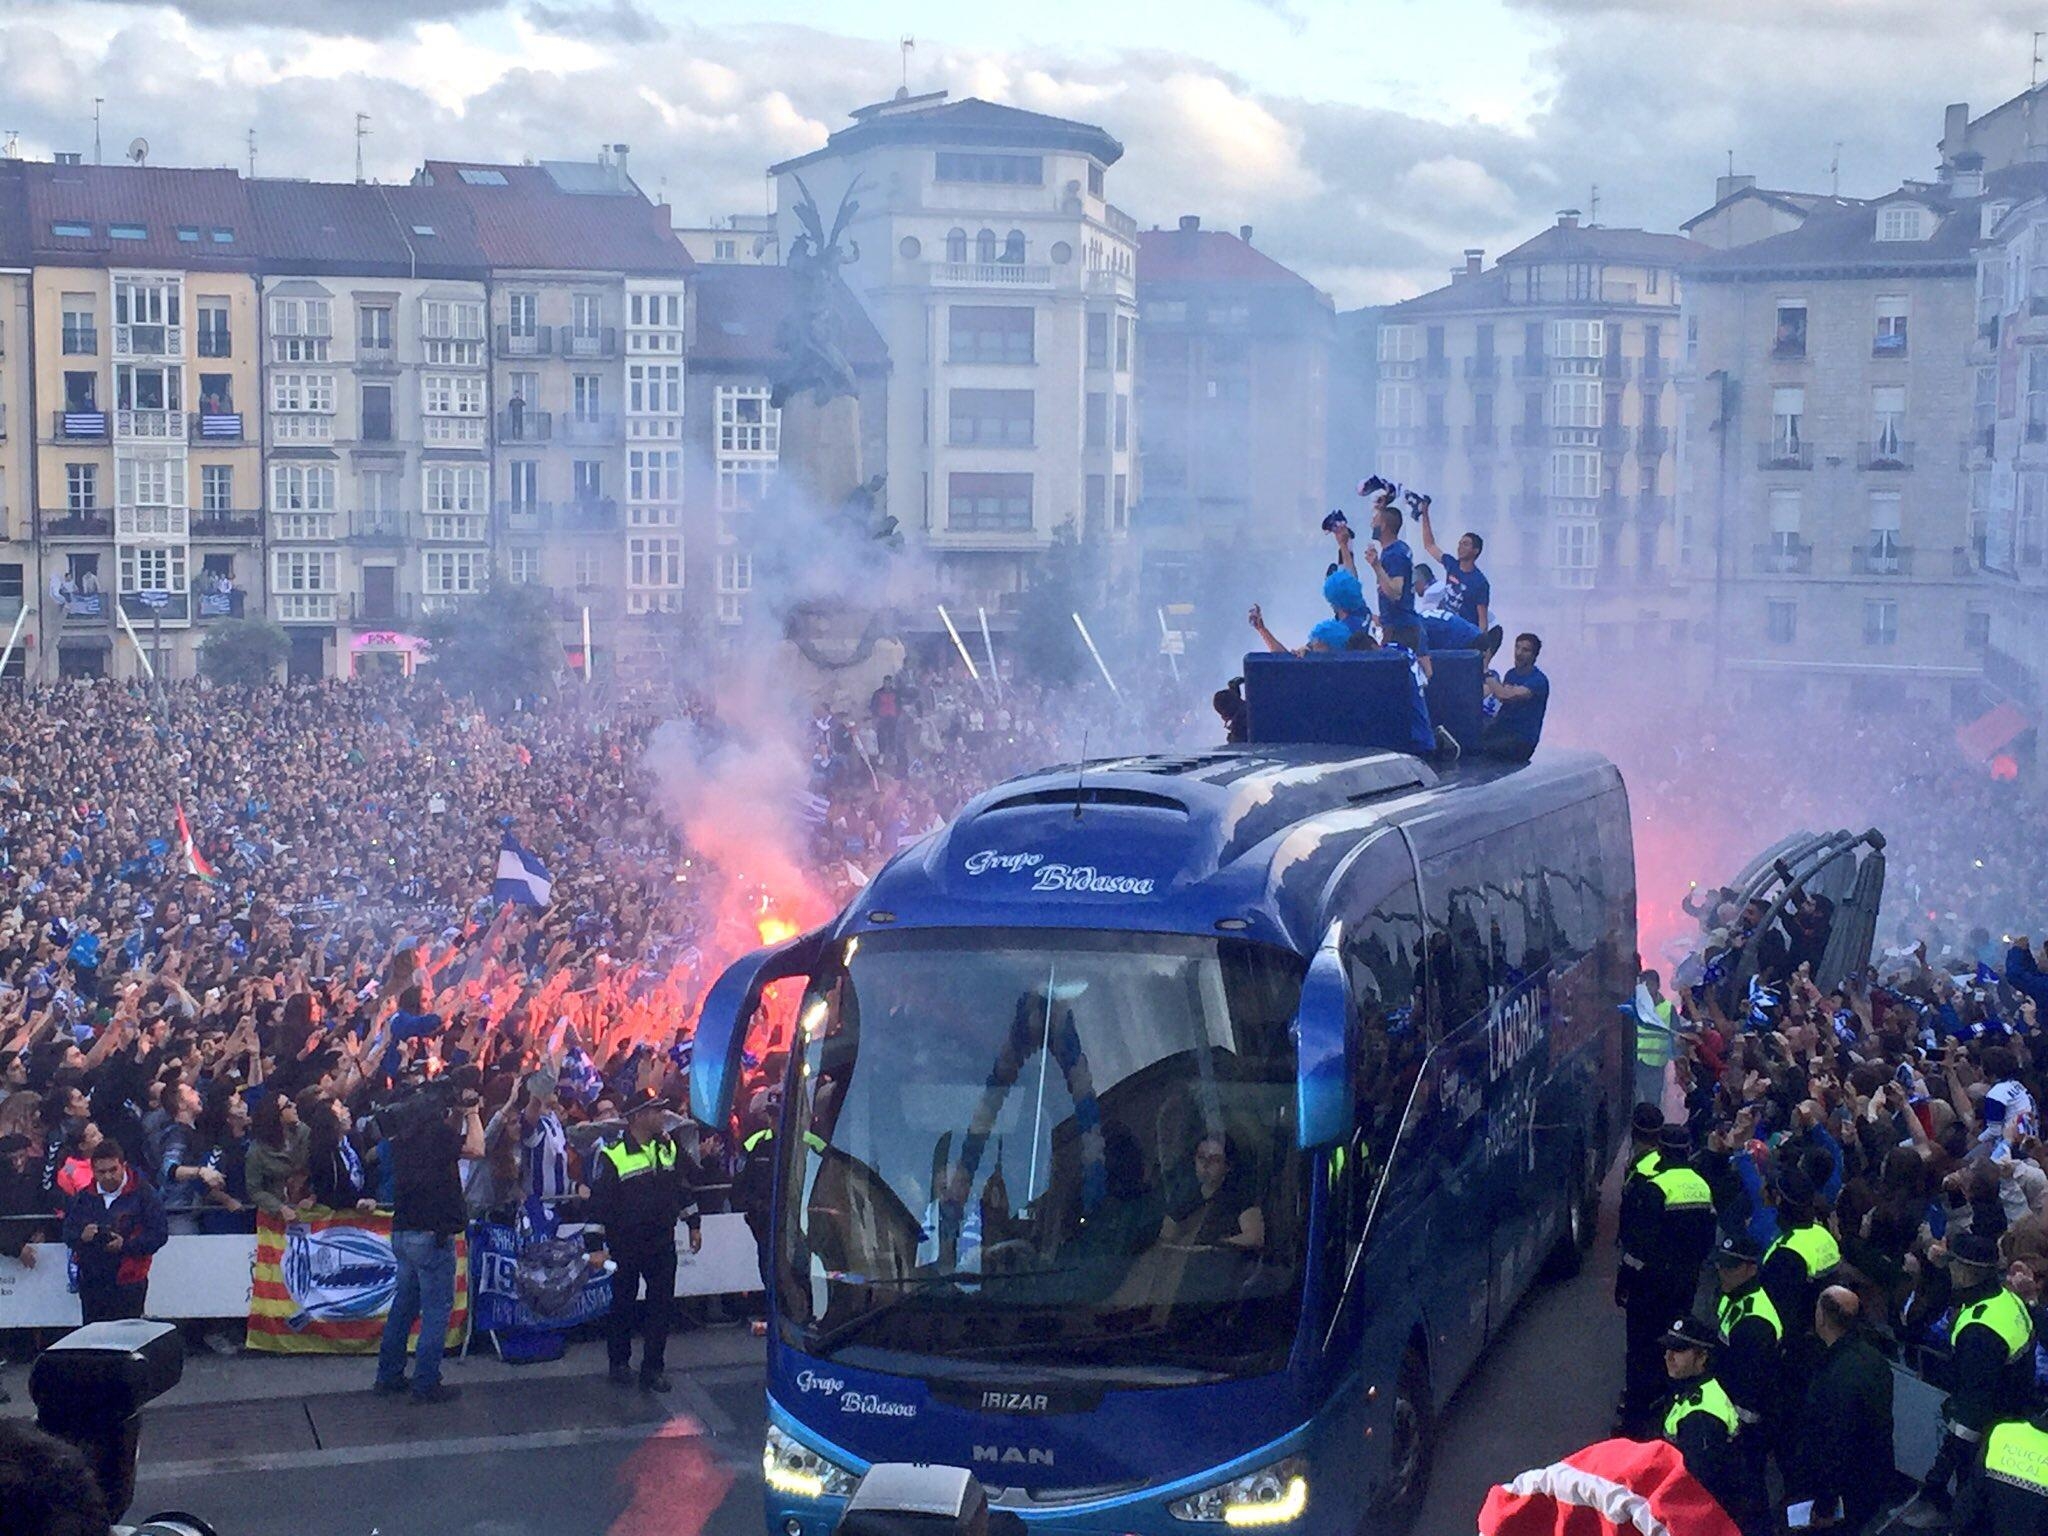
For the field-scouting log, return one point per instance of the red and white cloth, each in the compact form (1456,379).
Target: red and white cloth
(1614,1488)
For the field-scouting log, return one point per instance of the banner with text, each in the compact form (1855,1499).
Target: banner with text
(324,1284)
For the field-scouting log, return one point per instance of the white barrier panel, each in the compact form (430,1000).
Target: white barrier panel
(208,1277)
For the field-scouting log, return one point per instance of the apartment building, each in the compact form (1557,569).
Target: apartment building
(746,239)
(376,419)
(148,483)
(588,314)
(20,567)
(1535,400)
(1234,351)
(1833,447)
(1003,283)
(732,435)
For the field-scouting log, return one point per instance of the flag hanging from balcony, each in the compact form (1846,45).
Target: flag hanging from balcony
(195,861)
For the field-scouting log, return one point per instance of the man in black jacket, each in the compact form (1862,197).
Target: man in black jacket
(1841,1439)
(641,1188)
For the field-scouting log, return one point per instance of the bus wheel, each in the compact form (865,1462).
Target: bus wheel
(1413,1431)
(1581,1216)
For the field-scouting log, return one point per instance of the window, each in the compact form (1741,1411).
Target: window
(522,316)
(1575,473)
(1098,340)
(735,580)
(481,176)
(1787,550)
(586,394)
(454,572)
(1887,424)
(376,423)
(424,230)
(749,441)
(216,487)
(586,315)
(454,489)
(188,233)
(654,475)
(525,483)
(1123,422)
(1789,340)
(148,483)
(654,571)
(1577,550)
(302,392)
(1884,551)
(589,566)
(1881,621)
(1891,326)
(378,490)
(81,332)
(373,328)
(1977,629)
(985,247)
(1692,338)
(213,328)
(149,387)
(1781,621)
(1094,501)
(452,319)
(988,334)
(1094,179)
(221,236)
(1788,418)
(302,488)
(2037,394)
(147,314)
(127,232)
(989,418)
(81,488)
(586,478)
(523,561)
(1123,343)
(979,503)
(1004,170)
(725,250)
(452,394)
(1904,221)
(1013,247)
(1117,503)
(302,570)
(1575,403)
(152,568)
(1095,419)
(1397,407)
(956,246)
(2032,532)
(71,231)
(1578,338)
(300,317)
(654,388)
(1580,282)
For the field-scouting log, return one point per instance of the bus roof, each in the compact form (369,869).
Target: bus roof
(1242,836)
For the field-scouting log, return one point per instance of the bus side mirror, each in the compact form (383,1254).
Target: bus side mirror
(1320,1025)
(722,1023)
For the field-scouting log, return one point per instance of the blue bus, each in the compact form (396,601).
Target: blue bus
(1163,1139)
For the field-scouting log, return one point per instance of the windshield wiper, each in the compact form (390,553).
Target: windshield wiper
(845,1333)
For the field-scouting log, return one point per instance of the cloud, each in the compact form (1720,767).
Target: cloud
(620,21)
(348,18)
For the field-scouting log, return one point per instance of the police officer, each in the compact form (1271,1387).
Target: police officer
(640,1190)
(1667,1229)
(1752,1340)
(1991,1353)
(1656,1022)
(1701,1420)
(1802,1261)
(753,1186)
(2010,1497)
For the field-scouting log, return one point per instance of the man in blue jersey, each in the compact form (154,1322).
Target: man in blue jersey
(1393,570)
(1523,695)
(1467,593)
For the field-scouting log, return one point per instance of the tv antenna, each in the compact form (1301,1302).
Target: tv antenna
(11,150)
(908,45)
(97,102)
(1835,171)
(2034,77)
(138,150)
(362,131)
(1593,206)
(252,154)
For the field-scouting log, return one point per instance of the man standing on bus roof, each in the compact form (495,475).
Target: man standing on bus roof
(1393,569)
(1468,594)
(1667,1228)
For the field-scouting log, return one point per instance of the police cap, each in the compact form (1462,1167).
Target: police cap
(1690,1333)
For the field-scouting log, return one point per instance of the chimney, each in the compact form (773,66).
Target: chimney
(1244,233)
(1966,177)
(619,163)
(1475,260)
(1955,130)
(1726,187)
(1190,223)
(1567,218)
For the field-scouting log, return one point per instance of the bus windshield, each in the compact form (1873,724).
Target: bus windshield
(1072,1148)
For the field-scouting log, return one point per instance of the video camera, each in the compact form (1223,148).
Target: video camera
(416,1106)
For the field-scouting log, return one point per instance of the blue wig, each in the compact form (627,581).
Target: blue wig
(1343,593)
(1334,633)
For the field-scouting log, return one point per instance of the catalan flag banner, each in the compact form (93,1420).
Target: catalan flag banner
(323,1284)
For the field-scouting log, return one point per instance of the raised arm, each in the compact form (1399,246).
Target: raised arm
(1429,543)
(1258,623)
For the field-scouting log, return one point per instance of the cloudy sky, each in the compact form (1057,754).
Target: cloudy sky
(1368,140)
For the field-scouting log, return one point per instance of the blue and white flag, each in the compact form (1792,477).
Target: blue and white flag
(521,876)
(813,808)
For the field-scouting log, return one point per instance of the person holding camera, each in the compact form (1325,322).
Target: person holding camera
(641,1189)
(112,1227)
(427,1213)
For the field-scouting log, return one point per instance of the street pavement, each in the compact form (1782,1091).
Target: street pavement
(280,1447)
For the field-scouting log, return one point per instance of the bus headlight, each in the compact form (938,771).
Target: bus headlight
(1272,1495)
(795,1471)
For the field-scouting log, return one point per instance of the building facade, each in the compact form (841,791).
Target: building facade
(1234,351)
(1536,402)
(1003,284)
(1833,445)
(20,563)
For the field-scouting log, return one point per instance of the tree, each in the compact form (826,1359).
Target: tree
(244,653)
(496,647)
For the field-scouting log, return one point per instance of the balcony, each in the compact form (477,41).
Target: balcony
(1481,369)
(538,342)
(80,341)
(525,426)
(215,426)
(1436,366)
(1613,442)
(1529,434)
(1482,439)
(1784,455)
(1652,442)
(1775,559)
(587,515)
(384,528)
(376,354)
(601,428)
(1531,365)
(1885,453)
(303,607)
(1107,280)
(383,608)
(1612,507)
(157,607)
(85,609)
(1653,368)
(149,341)
(602,342)
(990,274)
(86,426)
(149,426)
(214,341)
(226,525)
(79,525)
(217,604)
(1616,367)
(1871,559)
